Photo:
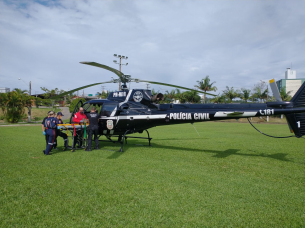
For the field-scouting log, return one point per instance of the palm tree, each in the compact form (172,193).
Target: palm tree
(285,95)
(230,93)
(260,94)
(205,85)
(218,99)
(245,94)
(20,92)
(171,95)
(191,97)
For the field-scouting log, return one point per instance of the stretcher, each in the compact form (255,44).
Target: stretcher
(78,133)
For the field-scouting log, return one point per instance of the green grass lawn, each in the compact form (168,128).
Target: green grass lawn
(227,176)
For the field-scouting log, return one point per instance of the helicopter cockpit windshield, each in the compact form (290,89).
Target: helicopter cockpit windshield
(108,109)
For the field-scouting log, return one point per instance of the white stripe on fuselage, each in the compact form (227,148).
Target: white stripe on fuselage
(135,117)
(231,114)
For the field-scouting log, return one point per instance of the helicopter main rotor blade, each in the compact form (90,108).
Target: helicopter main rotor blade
(180,87)
(79,88)
(117,72)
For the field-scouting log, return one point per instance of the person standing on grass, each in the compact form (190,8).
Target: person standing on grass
(44,130)
(93,118)
(79,117)
(50,125)
(59,132)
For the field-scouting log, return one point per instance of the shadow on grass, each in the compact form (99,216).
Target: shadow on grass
(218,154)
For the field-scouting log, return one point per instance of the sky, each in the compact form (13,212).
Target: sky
(237,43)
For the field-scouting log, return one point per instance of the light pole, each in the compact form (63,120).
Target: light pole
(120,57)
(29,113)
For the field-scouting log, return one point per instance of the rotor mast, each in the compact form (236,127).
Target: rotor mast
(120,57)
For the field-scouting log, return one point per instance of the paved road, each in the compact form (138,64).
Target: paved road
(65,111)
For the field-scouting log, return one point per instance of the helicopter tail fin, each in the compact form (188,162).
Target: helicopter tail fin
(296,121)
(298,99)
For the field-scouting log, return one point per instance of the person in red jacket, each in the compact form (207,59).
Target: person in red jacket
(79,117)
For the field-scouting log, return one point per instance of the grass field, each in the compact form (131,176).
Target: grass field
(227,176)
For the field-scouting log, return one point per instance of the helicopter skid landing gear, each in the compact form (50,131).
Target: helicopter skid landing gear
(125,139)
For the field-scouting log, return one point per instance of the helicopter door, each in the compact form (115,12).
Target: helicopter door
(107,124)
(77,106)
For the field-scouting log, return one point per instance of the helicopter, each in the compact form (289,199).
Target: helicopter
(131,111)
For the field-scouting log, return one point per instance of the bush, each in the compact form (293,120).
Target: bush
(74,103)
(13,114)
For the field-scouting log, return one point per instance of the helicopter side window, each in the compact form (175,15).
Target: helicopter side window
(87,107)
(107,109)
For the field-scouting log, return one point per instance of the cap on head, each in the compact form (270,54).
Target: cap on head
(51,113)
(60,113)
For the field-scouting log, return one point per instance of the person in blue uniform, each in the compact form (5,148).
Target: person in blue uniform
(50,125)
(59,132)
(93,118)
(44,130)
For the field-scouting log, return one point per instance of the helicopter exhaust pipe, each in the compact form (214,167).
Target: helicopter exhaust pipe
(157,97)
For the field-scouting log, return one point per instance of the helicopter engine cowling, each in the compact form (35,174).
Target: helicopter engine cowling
(157,97)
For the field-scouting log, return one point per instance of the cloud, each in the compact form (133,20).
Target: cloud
(236,43)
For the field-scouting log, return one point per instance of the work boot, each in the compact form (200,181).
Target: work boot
(96,148)
(87,149)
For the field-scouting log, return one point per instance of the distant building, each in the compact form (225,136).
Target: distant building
(4,90)
(290,83)
(290,74)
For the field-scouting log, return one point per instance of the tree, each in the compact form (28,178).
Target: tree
(74,103)
(245,94)
(103,95)
(218,99)
(285,95)
(260,92)
(205,85)
(230,93)
(190,97)
(3,102)
(13,104)
(171,95)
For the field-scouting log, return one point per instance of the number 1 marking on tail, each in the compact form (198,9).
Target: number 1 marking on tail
(299,124)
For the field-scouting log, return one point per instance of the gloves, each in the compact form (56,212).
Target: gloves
(44,133)
(58,127)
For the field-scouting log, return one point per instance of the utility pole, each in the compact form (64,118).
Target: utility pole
(120,57)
